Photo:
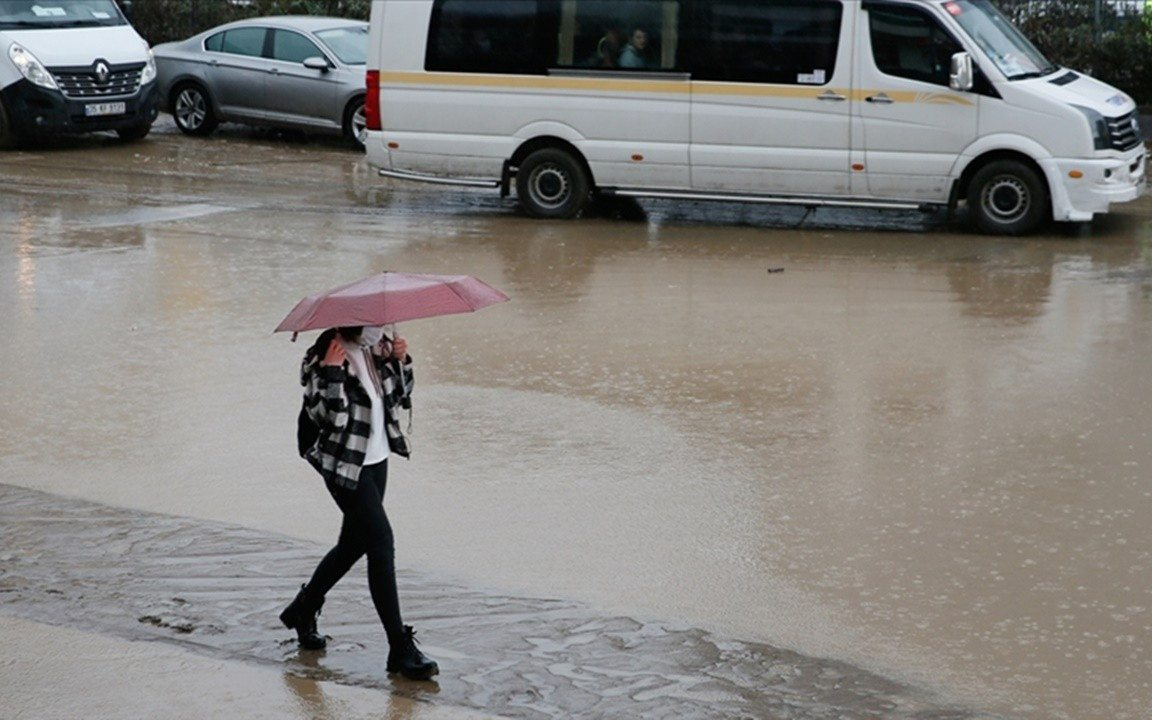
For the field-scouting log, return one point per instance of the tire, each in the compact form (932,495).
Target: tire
(1007,197)
(355,125)
(8,137)
(138,132)
(192,109)
(551,183)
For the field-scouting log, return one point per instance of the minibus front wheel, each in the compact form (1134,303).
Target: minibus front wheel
(1007,197)
(551,183)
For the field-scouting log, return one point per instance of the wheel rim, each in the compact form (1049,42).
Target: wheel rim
(190,109)
(1006,199)
(550,185)
(360,126)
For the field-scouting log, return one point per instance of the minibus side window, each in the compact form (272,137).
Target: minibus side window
(627,35)
(488,36)
(909,43)
(786,42)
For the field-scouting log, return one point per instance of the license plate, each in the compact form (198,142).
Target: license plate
(97,109)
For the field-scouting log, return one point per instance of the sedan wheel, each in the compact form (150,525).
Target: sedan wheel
(356,125)
(193,110)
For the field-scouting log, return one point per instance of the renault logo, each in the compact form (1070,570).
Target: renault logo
(102,72)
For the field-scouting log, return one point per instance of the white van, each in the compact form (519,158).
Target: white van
(881,103)
(72,66)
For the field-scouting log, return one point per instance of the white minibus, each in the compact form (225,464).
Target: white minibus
(72,66)
(875,103)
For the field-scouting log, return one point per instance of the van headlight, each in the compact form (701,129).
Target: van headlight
(31,68)
(148,74)
(1101,138)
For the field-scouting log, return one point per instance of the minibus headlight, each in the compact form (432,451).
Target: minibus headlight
(31,68)
(149,72)
(1101,139)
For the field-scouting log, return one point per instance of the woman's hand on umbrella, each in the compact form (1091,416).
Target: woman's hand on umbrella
(335,355)
(399,348)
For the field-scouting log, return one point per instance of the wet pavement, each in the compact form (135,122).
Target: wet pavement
(212,587)
(720,443)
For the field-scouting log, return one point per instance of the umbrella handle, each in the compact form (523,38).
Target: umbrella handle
(406,401)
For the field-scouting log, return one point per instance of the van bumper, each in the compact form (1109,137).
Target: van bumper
(34,110)
(1102,183)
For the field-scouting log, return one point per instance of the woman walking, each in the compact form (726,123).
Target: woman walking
(356,380)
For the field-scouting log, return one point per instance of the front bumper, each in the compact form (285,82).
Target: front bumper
(1082,188)
(34,110)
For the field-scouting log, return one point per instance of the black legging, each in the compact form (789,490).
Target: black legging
(366,530)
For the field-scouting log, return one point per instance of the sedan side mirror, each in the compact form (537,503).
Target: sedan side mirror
(962,74)
(316,63)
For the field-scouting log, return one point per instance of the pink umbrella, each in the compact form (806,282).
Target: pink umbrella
(388,298)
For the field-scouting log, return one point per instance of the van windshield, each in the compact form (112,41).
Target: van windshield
(38,14)
(1004,45)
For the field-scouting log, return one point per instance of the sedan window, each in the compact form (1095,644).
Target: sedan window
(244,41)
(350,44)
(293,47)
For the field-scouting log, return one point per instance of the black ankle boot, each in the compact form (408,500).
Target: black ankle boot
(405,658)
(301,617)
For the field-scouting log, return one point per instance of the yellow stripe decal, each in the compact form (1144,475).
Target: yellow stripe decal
(648,85)
(535,82)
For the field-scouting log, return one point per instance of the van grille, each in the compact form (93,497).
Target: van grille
(1124,131)
(82,82)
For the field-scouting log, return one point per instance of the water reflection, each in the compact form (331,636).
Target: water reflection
(925,451)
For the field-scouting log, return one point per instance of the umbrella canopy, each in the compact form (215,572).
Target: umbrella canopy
(388,298)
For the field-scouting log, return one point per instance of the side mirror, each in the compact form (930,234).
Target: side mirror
(316,63)
(962,74)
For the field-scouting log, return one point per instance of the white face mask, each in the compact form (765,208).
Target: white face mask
(371,336)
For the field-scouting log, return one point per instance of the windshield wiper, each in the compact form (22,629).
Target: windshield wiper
(1035,74)
(80,23)
(10,24)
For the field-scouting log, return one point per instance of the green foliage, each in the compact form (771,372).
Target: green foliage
(1092,37)
(165,20)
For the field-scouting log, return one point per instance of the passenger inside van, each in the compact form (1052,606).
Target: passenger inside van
(606,52)
(635,53)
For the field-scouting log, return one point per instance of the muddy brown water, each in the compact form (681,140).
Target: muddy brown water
(893,448)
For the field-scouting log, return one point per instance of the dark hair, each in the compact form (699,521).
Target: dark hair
(351,333)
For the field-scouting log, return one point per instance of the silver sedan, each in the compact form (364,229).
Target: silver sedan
(299,72)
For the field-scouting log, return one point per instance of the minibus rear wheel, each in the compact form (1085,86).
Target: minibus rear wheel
(551,183)
(1007,197)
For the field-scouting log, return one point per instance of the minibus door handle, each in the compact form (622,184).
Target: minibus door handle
(831,96)
(881,99)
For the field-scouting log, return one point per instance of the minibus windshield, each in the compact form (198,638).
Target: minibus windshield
(41,14)
(1004,45)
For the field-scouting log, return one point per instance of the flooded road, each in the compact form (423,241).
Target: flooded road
(866,438)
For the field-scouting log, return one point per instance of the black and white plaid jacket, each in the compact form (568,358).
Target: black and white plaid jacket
(339,405)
